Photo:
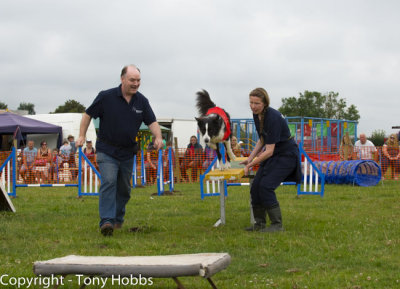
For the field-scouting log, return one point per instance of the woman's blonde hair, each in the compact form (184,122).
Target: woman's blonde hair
(346,147)
(346,139)
(392,140)
(263,95)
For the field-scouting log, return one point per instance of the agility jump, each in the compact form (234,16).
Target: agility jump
(88,177)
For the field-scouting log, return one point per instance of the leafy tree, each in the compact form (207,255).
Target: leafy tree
(352,113)
(308,104)
(378,137)
(315,104)
(70,106)
(30,107)
(3,105)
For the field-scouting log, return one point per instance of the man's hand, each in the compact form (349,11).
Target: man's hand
(158,144)
(83,129)
(156,132)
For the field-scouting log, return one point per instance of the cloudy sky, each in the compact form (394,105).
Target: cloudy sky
(52,51)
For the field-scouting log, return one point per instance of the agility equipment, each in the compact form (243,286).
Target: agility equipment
(9,176)
(215,191)
(219,180)
(88,178)
(313,182)
(90,186)
(220,177)
(8,172)
(135,175)
(116,269)
(169,162)
(362,173)
(5,201)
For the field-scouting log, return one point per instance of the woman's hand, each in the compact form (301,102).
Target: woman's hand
(248,165)
(246,170)
(245,162)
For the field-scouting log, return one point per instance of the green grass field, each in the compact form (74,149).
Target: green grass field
(350,238)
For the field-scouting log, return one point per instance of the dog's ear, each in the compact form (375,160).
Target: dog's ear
(217,119)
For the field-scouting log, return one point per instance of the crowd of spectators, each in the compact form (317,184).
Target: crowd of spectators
(44,164)
(388,156)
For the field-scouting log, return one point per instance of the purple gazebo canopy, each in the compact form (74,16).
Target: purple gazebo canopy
(11,123)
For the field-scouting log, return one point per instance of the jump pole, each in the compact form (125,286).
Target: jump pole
(220,177)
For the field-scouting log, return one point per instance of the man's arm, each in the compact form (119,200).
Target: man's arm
(83,129)
(156,131)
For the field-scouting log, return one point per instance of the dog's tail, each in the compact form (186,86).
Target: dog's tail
(204,102)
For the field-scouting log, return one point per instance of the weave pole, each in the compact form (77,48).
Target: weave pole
(160,172)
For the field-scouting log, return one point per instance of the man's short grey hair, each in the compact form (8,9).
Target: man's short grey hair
(125,69)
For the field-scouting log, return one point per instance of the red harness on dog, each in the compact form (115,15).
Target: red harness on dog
(219,111)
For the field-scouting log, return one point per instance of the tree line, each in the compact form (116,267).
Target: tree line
(308,104)
(68,106)
(316,104)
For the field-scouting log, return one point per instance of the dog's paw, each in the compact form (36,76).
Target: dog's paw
(225,166)
(220,165)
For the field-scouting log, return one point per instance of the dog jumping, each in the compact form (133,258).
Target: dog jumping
(215,127)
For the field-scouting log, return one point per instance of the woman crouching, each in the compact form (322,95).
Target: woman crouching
(278,156)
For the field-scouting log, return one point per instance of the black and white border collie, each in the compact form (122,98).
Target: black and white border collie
(215,127)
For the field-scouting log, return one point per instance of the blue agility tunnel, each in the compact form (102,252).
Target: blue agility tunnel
(363,173)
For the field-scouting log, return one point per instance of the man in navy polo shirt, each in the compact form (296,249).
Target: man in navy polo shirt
(121,111)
